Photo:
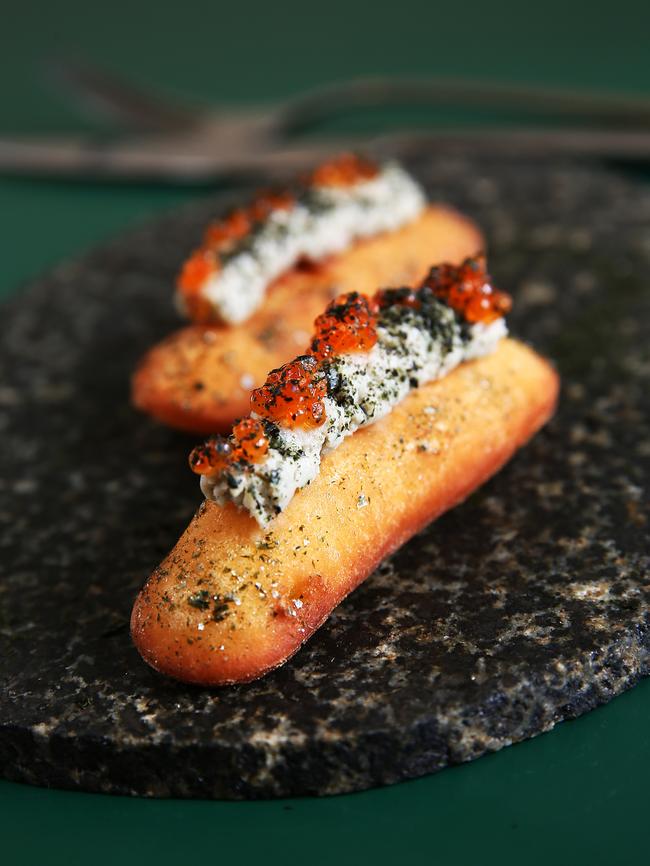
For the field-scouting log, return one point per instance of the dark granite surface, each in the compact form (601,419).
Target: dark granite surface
(527,605)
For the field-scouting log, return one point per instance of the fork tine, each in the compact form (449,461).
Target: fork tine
(106,93)
(606,109)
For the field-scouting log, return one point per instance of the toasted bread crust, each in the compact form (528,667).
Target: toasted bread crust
(274,588)
(199,379)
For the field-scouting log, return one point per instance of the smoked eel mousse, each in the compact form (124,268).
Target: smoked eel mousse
(402,404)
(266,270)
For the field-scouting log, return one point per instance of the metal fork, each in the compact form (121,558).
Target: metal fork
(179,143)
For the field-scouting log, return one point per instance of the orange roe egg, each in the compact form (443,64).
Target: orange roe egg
(268,201)
(292,395)
(251,444)
(467,290)
(345,170)
(224,233)
(347,325)
(196,270)
(212,457)
(199,309)
(228,231)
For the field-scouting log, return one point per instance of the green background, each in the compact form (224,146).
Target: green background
(576,795)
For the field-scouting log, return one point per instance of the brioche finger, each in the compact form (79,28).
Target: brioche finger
(234,600)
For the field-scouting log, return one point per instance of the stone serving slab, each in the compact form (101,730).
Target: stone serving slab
(527,605)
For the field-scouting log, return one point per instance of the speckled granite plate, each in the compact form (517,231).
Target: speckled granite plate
(527,605)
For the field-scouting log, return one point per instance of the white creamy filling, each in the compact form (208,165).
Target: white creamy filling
(337,217)
(370,385)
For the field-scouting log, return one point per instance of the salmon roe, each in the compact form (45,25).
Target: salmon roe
(248,443)
(226,232)
(223,234)
(467,290)
(269,201)
(349,324)
(345,170)
(196,270)
(212,457)
(251,444)
(292,395)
